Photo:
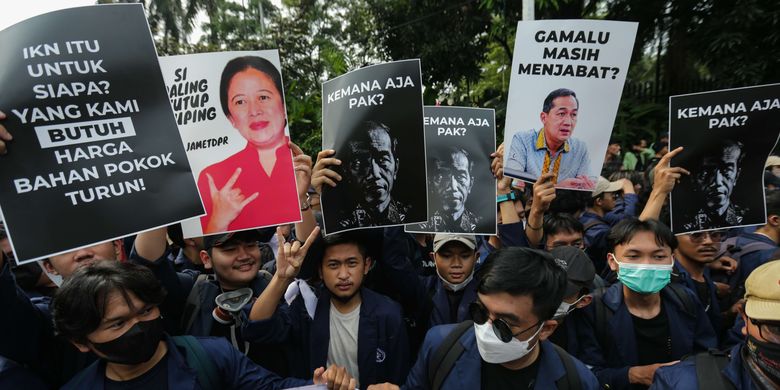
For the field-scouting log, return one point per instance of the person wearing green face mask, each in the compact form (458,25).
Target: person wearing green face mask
(641,322)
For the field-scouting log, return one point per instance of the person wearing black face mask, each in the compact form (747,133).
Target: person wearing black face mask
(753,364)
(111,309)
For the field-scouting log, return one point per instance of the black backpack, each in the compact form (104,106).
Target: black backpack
(450,349)
(707,364)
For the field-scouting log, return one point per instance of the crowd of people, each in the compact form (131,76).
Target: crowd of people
(578,290)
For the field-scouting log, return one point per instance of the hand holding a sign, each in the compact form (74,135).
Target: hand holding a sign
(228,203)
(665,177)
(497,165)
(302,165)
(544,194)
(5,136)
(322,174)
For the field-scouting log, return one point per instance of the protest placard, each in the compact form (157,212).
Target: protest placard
(372,117)
(727,136)
(231,113)
(461,187)
(564,89)
(96,153)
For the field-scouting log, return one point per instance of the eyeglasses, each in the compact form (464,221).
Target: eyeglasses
(769,331)
(576,243)
(503,330)
(698,237)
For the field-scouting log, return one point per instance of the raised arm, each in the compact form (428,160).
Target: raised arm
(544,194)
(303,168)
(665,177)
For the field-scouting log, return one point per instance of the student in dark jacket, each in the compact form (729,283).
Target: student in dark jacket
(345,324)
(506,347)
(754,363)
(641,323)
(694,252)
(111,309)
(579,283)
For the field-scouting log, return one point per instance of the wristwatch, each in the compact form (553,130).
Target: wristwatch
(506,197)
(305,205)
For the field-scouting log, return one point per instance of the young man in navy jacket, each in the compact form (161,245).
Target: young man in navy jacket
(111,309)
(641,323)
(345,324)
(519,290)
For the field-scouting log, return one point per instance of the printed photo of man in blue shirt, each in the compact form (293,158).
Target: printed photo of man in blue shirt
(552,148)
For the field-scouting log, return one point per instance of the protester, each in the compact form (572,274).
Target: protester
(612,161)
(604,210)
(111,309)
(637,157)
(344,324)
(752,364)
(695,251)
(506,345)
(562,229)
(641,322)
(580,275)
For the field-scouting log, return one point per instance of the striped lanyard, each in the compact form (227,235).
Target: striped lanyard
(556,166)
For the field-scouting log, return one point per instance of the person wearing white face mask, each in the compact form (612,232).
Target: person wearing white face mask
(579,281)
(506,346)
(442,298)
(642,322)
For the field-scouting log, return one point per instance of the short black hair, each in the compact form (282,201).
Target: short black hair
(353,238)
(773,203)
(562,222)
(569,201)
(240,64)
(80,303)
(524,271)
(626,229)
(560,92)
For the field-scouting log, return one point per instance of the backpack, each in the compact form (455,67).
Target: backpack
(707,363)
(730,248)
(604,314)
(448,352)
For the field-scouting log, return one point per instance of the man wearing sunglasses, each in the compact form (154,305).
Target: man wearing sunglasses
(518,292)
(694,252)
(610,202)
(642,322)
(753,364)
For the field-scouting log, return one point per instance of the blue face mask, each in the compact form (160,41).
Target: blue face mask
(644,278)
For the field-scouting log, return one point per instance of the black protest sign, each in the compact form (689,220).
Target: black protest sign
(461,187)
(372,117)
(727,136)
(96,153)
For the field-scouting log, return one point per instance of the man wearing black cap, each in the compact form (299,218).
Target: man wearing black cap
(579,279)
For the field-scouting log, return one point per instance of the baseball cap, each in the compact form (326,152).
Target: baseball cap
(762,292)
(579,268)
(771,161)
(603,185)
(466,239)
(219,239)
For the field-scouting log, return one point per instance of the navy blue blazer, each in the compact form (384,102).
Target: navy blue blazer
(467,371)
(683,375)
(690,333)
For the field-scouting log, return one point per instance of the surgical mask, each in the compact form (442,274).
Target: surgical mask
(456,287)
(565,308)
(137,345)
(767,357)
(644,278)
(495,351)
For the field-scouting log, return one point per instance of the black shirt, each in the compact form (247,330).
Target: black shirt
(156,378)
(653,341)
(703,292)
(496,376)
(454,298)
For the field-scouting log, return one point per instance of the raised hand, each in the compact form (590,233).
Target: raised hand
(322,174)
(666,176)
(227,202)
(290,255)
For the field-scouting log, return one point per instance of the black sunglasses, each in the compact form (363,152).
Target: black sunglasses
(503,331)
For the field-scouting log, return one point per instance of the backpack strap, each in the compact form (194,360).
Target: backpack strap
(200,361)
(603,315)
(683,297)
(571,381)
(192,305)
(446,355)
(707,364)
